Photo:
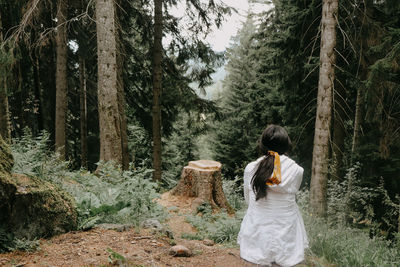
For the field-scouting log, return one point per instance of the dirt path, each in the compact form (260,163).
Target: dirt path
(138,247)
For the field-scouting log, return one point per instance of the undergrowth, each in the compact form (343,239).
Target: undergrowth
(332,241)
(219,227)
(9,243)
(115,196)
(110,195)
(342,245)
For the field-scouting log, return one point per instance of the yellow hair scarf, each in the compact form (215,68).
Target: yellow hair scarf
(276,177)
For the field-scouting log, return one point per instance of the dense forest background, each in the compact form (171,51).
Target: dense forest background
(117,92)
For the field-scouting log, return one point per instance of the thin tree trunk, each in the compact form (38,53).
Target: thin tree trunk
(5,129)
(21,97)
(111,114)
(38,97)
(61,79)
(323,120)
(357,120)
(368,38)
(338,131)
(83,111)
(157,87)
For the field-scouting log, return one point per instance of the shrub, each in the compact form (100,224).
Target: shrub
(32,157)
(111,195)
(114,195)
(343,245)
(233,190)
(9,243)
(219,227)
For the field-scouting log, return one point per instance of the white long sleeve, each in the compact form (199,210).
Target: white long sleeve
(246,181)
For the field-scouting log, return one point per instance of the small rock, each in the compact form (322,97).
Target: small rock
(169,233)
(208,242)
(157,227)
(180,251)
(151,223)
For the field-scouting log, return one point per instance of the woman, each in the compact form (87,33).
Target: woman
(272,229)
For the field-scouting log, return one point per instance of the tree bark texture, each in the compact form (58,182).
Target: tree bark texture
(371,36)
(357,119)
(49,95)
(83,111)
(61,79)
(38,96)
(322,136)
(202,179)
(121,95)
(111,114)
(157,88)
(5,129)
(339,113)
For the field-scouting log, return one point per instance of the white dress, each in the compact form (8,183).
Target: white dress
(272,229)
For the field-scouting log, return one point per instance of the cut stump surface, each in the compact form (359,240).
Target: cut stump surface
(202,180)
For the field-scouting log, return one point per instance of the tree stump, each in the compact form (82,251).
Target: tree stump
(202,179)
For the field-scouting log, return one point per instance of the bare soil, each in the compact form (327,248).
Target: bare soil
(139,247)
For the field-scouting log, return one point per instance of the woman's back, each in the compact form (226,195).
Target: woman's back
(272,229)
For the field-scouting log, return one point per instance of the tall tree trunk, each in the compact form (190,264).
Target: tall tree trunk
(111,114)
(5,129)
(38,97)
(357,119)
(319,172)
(61,79)
(368,37)
(339,113)
(157,87)
(121,96)
(83,111)
(20,98)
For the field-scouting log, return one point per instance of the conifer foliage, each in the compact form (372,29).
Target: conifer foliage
(236,133)
(278,62)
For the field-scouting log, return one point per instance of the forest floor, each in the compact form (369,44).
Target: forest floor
(138,247)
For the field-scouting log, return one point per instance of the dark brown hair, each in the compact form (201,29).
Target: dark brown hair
(273,138)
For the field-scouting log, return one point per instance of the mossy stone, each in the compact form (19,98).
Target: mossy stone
(30,207)
(40,209)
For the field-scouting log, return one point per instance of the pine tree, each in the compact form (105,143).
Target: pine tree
(322,136)
(157,88)
(61,79)
(110,114)
(237,133)
(5,130)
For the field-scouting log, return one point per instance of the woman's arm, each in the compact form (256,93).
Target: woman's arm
(246,182)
